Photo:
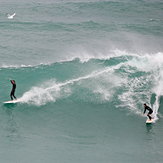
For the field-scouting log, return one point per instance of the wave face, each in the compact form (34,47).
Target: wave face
(77,101)
(83,71)
(128,80)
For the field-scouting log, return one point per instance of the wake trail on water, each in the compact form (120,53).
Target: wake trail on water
(54,90)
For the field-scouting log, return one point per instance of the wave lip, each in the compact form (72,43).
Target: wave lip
(84,56)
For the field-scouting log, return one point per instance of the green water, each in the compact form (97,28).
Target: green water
(83,71)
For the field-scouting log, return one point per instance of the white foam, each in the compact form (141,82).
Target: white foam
(158,90)
(51,91)
(40,95)
(15,66)
(140,89)
(85,56)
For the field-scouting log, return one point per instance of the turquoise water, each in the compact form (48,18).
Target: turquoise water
(83,71)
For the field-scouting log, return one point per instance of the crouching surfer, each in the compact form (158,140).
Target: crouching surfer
(13,89)
(149,113)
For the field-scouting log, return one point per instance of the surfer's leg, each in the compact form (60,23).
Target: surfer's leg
(14,96)
(11,96)
(150,114)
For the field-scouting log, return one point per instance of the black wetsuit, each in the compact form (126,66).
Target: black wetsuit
(13,90)
(150,111)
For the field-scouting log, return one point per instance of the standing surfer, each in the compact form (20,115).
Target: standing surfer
(150,111)
(13,89)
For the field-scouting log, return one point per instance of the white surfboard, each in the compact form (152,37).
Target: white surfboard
(149,121)
(11,102)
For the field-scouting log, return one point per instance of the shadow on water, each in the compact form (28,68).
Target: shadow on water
(149,127)
(11,125)
(9,105)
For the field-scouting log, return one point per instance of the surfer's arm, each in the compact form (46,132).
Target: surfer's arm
(11,81)
(144,111)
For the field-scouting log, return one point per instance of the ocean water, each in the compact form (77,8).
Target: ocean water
(83,69)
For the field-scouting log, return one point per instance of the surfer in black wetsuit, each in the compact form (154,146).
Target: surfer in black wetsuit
(149,109)
(13,89)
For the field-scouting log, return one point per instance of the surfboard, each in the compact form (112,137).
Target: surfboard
(11,102)
(148,121)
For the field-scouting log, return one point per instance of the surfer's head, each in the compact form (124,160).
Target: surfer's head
(145,105)
(13,81)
